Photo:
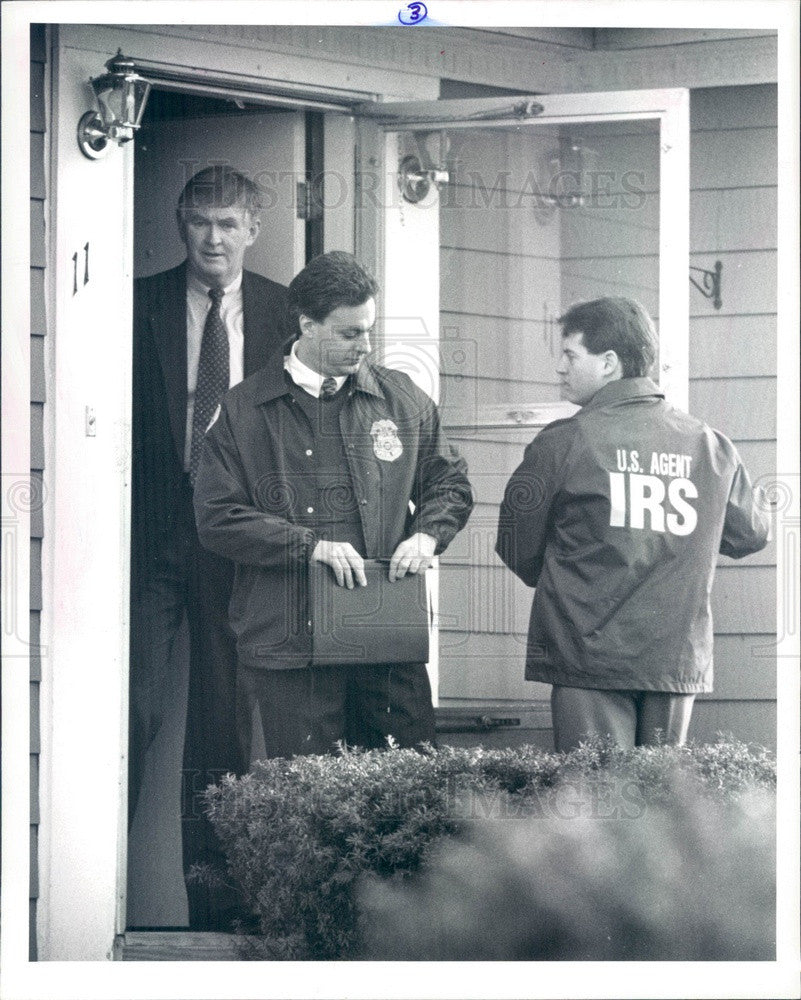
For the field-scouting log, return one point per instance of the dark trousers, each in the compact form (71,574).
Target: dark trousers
(307,711)
(187,579)
(631,718)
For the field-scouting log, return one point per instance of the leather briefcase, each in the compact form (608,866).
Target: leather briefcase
(381,623)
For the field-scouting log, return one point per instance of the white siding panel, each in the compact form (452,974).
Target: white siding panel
(738,219)
(733,158)
(732,346)
(718,108)
(750,721)
(741,408)
(634,277)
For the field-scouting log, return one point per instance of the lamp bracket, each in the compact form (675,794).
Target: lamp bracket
(92,138)
(415,182)
(711,287)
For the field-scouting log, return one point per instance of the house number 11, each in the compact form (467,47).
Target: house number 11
(75,269)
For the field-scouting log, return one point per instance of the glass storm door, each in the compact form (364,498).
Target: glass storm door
(489,218)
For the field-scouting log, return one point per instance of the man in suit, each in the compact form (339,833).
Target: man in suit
(199,329)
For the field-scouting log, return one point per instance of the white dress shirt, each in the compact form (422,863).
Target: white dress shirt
(305,377)
(198,304)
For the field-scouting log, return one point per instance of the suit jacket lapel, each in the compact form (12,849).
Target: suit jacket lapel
(168,323)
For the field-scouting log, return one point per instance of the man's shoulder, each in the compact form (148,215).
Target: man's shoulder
(263,286)
(173,277)
(393,381)
(263,384)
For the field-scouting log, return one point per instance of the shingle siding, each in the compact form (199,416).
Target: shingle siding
(38,194)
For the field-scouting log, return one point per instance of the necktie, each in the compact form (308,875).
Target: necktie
(328,388)
(212,377)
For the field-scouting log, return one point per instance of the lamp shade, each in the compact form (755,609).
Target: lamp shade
(121,96)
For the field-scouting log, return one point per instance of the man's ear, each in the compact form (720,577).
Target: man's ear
(179,218)
(306,324)
(612,366)
(253,229)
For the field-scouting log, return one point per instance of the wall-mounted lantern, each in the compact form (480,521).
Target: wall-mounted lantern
(121,96)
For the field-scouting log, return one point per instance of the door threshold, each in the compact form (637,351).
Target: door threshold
(186,946)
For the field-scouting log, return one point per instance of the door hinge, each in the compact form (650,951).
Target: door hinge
(308,201)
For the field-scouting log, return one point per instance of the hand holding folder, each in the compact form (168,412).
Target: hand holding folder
(384,622)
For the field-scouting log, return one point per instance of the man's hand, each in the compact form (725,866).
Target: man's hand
(344,560)
(412,556)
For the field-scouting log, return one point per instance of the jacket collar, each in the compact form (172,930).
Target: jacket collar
(274,383)
(622,389)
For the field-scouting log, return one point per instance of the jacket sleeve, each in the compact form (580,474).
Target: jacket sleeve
(228,522)
(746,528)
(442,497)
(526,510)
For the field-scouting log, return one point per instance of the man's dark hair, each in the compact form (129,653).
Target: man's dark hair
(327,282)
(615,324)
(219,187)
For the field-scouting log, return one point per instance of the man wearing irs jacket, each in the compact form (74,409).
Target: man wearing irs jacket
(617,515)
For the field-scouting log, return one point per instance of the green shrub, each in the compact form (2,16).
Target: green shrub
(301,834)
(691,880)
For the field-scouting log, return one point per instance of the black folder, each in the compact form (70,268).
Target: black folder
(381,623)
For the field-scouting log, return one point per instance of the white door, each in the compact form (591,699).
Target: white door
(540,202)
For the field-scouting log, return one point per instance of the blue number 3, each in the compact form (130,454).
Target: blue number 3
(413,13)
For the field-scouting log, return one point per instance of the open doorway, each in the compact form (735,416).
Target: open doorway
(275,147)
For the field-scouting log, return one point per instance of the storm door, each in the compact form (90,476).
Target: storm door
(495,216)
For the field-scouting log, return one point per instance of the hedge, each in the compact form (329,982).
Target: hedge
(318,844)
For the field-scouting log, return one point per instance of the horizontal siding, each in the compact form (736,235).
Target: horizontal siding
(37,370)
(38,253)
(487,666)
(37,508)
(720,108)
(36,655)
(38,326)
(743,408)
(620,39)
(38,313)
(733,346)
(751,721)
(36,574)
(731,158)
(37,436)
(733,219)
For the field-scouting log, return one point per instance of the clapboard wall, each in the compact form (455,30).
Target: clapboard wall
(733,218)
(38,197)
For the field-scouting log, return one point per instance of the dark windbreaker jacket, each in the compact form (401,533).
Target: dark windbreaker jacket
(254,497)
(616,515)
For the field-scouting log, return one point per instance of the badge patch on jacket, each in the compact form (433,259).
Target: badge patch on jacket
(386,443)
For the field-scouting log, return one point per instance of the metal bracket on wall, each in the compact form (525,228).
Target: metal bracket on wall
(711,283)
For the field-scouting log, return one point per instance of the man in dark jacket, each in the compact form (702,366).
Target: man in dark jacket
(333,459)
(198,329)
(616,515)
